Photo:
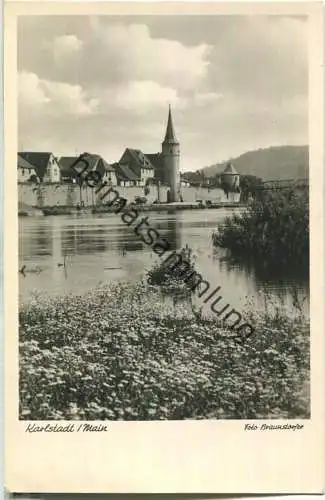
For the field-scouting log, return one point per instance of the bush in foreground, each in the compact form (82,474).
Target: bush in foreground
(173,278)
(274,229)
(119,352)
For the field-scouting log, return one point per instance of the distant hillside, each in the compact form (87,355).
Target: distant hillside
(281,162)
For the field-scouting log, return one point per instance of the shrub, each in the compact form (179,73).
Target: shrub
(274,228)
(173,277)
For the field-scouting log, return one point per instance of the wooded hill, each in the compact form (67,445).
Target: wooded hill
(277,162)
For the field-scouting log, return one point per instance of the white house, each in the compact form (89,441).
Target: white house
(138,163)
(26,172)
(45,165)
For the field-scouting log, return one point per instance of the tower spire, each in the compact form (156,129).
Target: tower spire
(170,136)
(170,154)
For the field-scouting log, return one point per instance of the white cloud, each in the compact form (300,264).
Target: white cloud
(143,94)
(54,98)
(30,92)
(132,53)
(208,98)
(118,53)
(234,82)
(264,57)
(66,46)
(69,99)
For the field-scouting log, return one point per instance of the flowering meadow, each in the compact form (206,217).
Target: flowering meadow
(121,352)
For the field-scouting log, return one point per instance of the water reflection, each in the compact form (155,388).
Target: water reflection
(171,230)
(125,246)
(103,248)
(288,283)
(261,271)
(39,242)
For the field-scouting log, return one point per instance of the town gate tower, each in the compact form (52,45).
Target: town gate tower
(171,153)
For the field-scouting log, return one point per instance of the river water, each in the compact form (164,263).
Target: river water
(102,248)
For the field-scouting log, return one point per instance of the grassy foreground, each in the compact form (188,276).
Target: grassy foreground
(119,352)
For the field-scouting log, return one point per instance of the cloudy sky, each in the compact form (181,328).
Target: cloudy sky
(101,84)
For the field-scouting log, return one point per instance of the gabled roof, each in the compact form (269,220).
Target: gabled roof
(91,161)
(21,163)
(157,160)
(142,160)
(38,160)
(65,163)
(230,169)
(71,165)
(108,167)
(123,172)
(170,136)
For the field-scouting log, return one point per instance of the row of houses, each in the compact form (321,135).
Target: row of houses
(133,169)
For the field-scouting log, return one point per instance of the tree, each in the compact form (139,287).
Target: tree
(250,181)
(249,185)
(33,179)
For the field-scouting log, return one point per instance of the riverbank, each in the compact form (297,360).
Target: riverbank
(101,209)
(122,352)
(27,211)
(162,207)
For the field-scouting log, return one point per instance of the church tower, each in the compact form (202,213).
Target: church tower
(170,153)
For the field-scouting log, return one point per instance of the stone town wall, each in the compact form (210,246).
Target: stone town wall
(69,194)
(191,194)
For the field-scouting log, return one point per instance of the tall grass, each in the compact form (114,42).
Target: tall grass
(273,229)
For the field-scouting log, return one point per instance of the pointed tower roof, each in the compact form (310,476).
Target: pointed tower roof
(230,169)
(170,136)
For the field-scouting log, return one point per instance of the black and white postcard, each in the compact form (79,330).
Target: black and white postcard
(163,219)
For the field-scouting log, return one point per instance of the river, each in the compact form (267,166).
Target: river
(102,248)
